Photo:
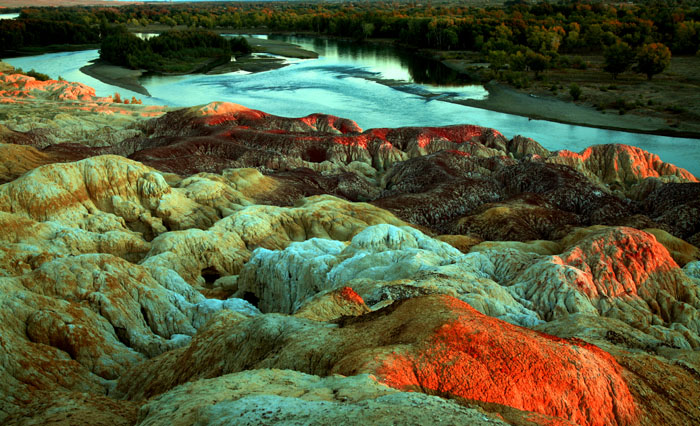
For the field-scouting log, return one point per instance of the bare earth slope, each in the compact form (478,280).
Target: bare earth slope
(218,264)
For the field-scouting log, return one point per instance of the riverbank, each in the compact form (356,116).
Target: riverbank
(130,79)
(510,101)
(116,76)
(668,105)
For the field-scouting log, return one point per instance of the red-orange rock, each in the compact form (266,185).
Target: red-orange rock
(433,344)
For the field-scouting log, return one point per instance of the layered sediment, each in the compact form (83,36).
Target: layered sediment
(217,264)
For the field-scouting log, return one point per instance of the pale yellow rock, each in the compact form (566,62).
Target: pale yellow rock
(322,216)
(249,182)
(681,251)
(5,67)
(463,243)
(19,159)
(224,248)
(89,194)
(24,238)
(192,251)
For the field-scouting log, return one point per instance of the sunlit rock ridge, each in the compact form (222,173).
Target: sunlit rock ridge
(221,265)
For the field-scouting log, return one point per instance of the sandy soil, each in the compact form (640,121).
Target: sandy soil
(116,76)
(505,99)
(281,48)
(667,105)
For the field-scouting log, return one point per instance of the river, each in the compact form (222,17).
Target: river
(377,86)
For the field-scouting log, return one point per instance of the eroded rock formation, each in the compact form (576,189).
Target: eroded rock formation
(218,263)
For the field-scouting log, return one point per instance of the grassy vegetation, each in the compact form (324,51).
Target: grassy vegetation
(673,95)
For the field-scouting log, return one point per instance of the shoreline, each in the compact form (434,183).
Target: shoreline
(129,79)
(502,98)
(506,100)
(115,76)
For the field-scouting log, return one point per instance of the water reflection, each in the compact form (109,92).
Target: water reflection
(393,63)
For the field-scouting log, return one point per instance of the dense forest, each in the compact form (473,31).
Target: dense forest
(16,34)
(185,51)
(516,36)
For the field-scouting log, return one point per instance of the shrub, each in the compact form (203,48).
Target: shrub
(579,63)
(575,91)
(39,76)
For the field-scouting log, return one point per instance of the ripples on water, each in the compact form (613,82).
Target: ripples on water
(347,80)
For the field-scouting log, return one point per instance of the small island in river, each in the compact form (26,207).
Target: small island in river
(124,57)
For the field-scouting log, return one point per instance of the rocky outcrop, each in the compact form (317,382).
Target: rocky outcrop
(677,207)
(19,160)
(620,166)
(241,265)
(45,114)
(614,272)
(74,323)
(407,346)
(272,397)
(75,408)
(224,248)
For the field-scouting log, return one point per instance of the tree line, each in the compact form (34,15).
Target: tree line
(16,34)
(517,35)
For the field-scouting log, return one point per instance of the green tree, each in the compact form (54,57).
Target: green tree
(498,59)
(240,46)
(517,61)
(618,58)
(122,48)
(537,62)
(653,59)
(169,21)
(367,30)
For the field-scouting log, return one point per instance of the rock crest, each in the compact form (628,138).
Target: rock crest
(219,263)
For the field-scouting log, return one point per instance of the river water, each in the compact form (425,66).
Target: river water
(377,86)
